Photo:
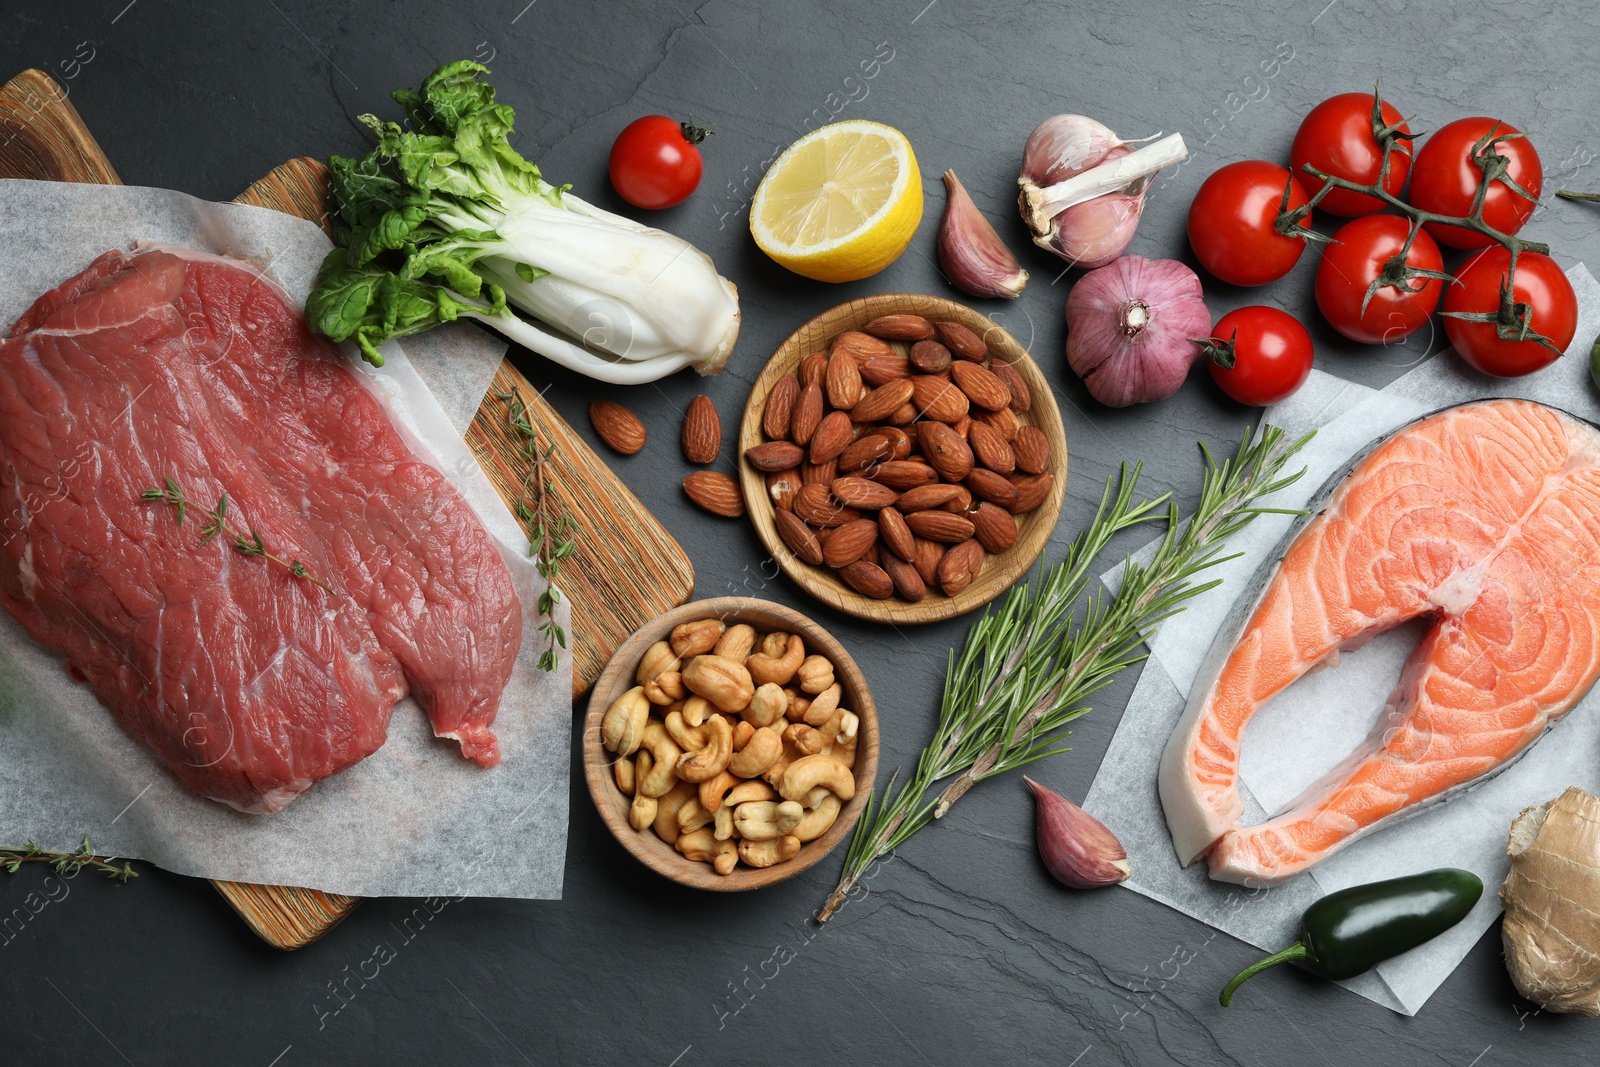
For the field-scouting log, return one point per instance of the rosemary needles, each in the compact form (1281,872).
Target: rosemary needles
(549,540)
(246,544)
(1028,666)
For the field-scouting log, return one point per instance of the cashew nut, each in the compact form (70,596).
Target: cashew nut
(692,816)
(798,706)
(722,828)
(773,775)
(828,732)
(824,704)
(622,771)
(713,790)
(819,818)
(664,752)
(766,853)
(698,845)
(689,738)
(772,644)
(815,674)
(709,761)
(742,732)
(806,740)
(692,638)
(624,721)
(695,710)
(815,797)
(767,667)
(808,772)
(736,643)
(658,660)
(763,750)
(745,792)
(665,689)
(727,857)
(666,821)
(642,812)
(767,706)
(844,749)
(720,680)
(763,820)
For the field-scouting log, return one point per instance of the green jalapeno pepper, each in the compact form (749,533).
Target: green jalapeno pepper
(1355,929)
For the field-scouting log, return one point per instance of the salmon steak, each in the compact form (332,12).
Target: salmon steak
(1483,518)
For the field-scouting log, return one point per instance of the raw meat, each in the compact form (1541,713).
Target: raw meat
(250,683)
(1484,517)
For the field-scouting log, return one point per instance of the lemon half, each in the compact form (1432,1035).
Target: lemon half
(841,203)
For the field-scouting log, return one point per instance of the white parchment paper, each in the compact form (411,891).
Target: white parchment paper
(1309,727)
(414,818)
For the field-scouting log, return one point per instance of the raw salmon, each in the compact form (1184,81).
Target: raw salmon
(1485,518)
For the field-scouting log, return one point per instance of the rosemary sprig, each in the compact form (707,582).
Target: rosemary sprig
(68,863)
(1028,666)
(246,544)
(549,542)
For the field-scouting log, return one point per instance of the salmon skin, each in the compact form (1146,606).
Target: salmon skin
(1484,518)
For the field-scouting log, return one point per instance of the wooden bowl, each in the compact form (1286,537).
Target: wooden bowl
(618,678)
(1033,529)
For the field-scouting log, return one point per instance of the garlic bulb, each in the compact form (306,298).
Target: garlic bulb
(1076,847)
(1131,329)
(1083,189)
(972,254)
(1551,897)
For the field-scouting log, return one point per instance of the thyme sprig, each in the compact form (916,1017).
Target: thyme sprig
(246,544)
(1028,666)
(549,541)
(67,863)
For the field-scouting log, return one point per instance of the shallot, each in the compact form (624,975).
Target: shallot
(1131,329)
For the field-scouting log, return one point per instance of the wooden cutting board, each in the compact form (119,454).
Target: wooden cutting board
(626,569)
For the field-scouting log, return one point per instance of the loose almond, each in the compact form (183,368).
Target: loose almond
(904,474)
(900,327)
(899,438)
(934,398)
(1031,449)
(819,473)
(987,485)
(962,342)
(812,368)
(868,579)
(1021,395)
(960,503)
(798,536)
(990,448)
(716,492)
(865,451)
(843,380)
(807,414)
(994,528)
(781,488)
(959,567)
(1003,421)
(895,534)
(981,387)
(882,402)
(859,346)
(945,450)
(881,370)
(859,493)
(774,456)
(940,526)
(928,555)
(617,426)
(930,357)
(850,542)
(904,415)
(833,434)
(778,416)
(927,497)
(815,504)
(702,431)
(908,584)
(1031,491)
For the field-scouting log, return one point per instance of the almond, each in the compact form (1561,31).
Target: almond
(900,327)
(945,450)
(1003,421)
(994,528)
(990,448)
(987,485)
(962,426)
(872,555)
(960,503)
(815,504)
(819,473)
(1032,450)
(959,567)
(1021,395)
(860,493)
(962,342)
(866,451)
(895,534)
(798,536)
(908,584)
(868,579)
(807,414)
(899,438)
(881,370)
(1031,491)
(833,434)
(981,387)
(927,497)
(930,357)
(940,526)
(934,398)
(904,474)
(843,380)
(905,415)
(882,402)
(812,368)
(859,346)
(716,492)
(774,456)
(849,542)
(778,416)
(928,555)
(617,426)
(781,487)
(702,431)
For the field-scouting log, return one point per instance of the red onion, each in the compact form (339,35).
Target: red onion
(1132,327)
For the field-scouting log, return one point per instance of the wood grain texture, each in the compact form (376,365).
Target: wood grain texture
(618,678)
(999,572)
(626,570)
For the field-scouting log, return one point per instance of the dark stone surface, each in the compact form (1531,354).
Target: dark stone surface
(962,950)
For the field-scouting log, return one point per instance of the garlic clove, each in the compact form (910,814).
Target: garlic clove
(1076,847)
(971,252)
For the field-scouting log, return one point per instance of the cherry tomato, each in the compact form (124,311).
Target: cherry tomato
(1444,179)
(654,162)
(1231,223)
(1259,355)
(1337,138)
(1540,285)
(1359,256)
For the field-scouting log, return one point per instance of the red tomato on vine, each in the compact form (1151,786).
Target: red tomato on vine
(1233,223)
(1259,355)
(1447,172)
(1338,138)
(1360,256)
(1541,301)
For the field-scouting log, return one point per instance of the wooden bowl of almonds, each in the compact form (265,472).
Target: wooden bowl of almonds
(903,458)
(730,744)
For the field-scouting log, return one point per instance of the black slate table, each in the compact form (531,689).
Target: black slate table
(960,949)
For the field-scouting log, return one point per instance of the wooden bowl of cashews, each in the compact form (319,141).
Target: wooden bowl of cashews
(730,744)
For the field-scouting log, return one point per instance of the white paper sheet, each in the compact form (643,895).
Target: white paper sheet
(414,818)
(1310,726)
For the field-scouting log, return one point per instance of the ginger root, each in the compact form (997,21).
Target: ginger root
(1551,898)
